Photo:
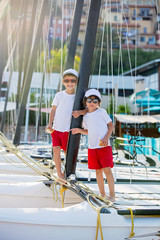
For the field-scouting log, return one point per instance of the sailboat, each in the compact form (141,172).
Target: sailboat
(28,203)
(36,206)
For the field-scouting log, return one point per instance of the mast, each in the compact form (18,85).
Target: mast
(85,70)
(21,51)
(74,34)
(29,72)
(158,76)
(3,58)
(6,101)
(40,106)
(30,38)
(3,46)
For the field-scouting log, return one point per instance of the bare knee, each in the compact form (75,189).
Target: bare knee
(56,150)
(107,171)
(99,171)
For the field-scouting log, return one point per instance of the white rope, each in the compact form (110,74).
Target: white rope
(54,38)
(100,62)
(111,52)
(45,47)
(85,20)
(3,5)
(107,58)
(99,40)
(68,30)
(62,34)
(119,33)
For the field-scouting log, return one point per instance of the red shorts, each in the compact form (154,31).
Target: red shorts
(100,158)
(60,139)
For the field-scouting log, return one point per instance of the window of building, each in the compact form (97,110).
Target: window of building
(66,22)
(151,40)
(145,30)
(115,18)
(113,9)
(144,12)
(134,12)
(58,30)
(142,39)
(126,92)
(59,21)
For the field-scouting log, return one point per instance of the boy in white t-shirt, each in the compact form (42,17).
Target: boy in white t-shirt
(61,113)
(98,125)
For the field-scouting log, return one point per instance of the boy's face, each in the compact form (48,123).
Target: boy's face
(69,81)
(92,103)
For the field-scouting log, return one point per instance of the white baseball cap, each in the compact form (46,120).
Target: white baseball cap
(70,71)
(94,92)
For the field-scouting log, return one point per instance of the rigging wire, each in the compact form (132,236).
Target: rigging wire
(98,40)
(3,5)
(68,29)
(51,63)
(111,52)
(119,34)
(8,67)
(45,76)
(101,52)
(108,62)
(129,58)
(124,97)
(136,42)
(62,36)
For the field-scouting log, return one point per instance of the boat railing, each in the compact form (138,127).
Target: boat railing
(133,143)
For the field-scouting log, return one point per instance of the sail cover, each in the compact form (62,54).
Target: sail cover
(130,119)
(10,106)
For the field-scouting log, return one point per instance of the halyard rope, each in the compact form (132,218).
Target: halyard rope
(109,204)
(132,233)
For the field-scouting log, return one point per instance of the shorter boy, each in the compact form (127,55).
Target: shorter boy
(98,126)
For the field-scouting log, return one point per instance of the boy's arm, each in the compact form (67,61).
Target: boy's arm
(51,116)
(77,113)
(79,130)
(104,141)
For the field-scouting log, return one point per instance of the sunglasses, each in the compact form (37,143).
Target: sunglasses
(89,100)
(70,80)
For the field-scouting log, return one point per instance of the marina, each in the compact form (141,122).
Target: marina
(29,196)
(41,40)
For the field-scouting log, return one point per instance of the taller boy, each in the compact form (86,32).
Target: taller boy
(61,113)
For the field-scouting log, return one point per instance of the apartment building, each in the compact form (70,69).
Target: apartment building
(136,21)
(144,16)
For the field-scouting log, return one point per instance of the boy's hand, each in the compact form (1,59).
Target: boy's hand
(75,130)
(48,126)
(76,114)
(104,142)
(49,129)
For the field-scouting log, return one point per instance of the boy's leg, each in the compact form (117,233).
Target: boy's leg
(100,181)
(110,181)
(57,160)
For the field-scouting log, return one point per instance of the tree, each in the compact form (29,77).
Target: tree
(112,60)
(111,109)
(124,109)
(53,64)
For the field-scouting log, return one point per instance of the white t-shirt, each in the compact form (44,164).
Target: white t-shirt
(63,114)
(96,124)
